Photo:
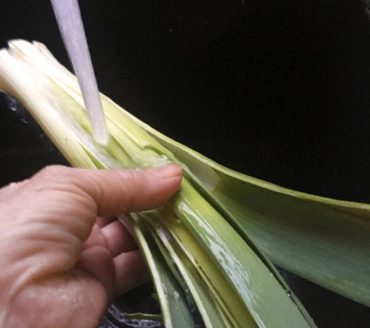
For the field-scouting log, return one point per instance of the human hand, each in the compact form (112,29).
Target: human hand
(62,257)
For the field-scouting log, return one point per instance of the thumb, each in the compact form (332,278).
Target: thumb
(82,194)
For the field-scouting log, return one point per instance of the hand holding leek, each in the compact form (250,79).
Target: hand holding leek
(211,249)
(59,263)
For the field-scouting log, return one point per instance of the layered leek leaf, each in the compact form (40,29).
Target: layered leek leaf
(210,249)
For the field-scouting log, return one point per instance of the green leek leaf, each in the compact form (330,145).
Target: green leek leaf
(323,240)
(175,311)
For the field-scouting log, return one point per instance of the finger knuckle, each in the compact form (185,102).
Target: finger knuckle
(132,181)
(56,173)
(55,170)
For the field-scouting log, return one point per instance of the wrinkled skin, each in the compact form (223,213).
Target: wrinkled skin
(62,257)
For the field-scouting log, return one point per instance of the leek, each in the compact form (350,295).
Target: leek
(210,247)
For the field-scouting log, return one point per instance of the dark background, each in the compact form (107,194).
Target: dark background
(276,89)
